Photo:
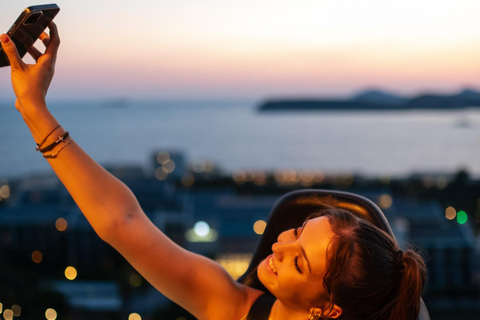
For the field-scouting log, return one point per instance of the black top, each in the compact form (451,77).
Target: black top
(260,309)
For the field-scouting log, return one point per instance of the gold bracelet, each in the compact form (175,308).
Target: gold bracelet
(54,155)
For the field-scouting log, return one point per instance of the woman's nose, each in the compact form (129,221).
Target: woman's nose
(279,249)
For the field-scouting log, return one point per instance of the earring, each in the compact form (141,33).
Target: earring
(314,316)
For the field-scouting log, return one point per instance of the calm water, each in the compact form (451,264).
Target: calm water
(234,135)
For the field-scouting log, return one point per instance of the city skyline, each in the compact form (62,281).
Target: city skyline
(255,50)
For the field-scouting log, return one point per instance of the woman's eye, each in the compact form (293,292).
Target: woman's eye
(295,262)
(295,232)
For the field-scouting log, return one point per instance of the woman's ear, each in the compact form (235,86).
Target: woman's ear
(334,312)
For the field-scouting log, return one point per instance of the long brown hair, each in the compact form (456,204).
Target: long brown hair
(367,274)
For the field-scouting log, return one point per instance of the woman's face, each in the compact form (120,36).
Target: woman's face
(294,271)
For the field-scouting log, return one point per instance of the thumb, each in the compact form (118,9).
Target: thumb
(11,51)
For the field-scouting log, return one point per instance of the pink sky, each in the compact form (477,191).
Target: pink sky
(247,49)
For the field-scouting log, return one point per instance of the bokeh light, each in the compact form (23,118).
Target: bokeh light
(51,314)
(163,157)
(17,310)
(450,213)
(37,256)
(61,224)
(134,316)
(385,201)
(259,226)
(462,217)
(8,314)
(135,280)
(4,191)
(70,273)
(201,229)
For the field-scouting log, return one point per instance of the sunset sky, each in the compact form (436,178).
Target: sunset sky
(255,49)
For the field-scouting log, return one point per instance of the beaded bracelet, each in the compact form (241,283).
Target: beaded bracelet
(39,145)
(55,143)
(54,155)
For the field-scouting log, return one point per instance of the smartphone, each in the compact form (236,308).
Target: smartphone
(28,27)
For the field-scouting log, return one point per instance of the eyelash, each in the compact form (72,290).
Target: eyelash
(295,232)
(295,262)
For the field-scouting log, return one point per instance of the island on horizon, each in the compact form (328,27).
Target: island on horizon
(378,100)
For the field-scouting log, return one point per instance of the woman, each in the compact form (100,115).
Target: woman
(335,266)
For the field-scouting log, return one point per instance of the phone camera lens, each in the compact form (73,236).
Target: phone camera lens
(33,18)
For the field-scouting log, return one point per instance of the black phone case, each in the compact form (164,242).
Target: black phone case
(25,35)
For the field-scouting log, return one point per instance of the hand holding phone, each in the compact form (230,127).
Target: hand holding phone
(28,27)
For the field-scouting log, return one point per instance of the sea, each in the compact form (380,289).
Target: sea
(234,135)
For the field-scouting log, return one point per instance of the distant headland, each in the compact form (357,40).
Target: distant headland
(378,100)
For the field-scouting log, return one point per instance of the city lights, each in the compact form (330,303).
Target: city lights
(4,191)
(160,174)
(8,314)
(385,201)
(234,264)
(163,157)
(462,217)
(17,310)
(259,226)
(450,213)
(37,256)
(51,314)
(201,232)
(201,229)
(134,316)
(61,224)
(70,273)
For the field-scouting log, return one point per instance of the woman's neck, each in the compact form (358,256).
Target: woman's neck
(282,312)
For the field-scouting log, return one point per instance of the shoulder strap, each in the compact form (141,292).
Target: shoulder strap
(260,309)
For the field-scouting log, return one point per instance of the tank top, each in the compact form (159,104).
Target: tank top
(260,309)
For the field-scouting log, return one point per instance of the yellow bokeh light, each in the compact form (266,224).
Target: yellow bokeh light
(70,273)
(234,264)
(163,157)
(1,308)
(134,316)
(5,191)
(37,256)
(385,201)
(61,224)
(8,314)
(17,310)
(259,226)
(450,213)
(51,314)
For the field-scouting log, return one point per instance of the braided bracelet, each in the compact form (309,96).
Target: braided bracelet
(54,155)
(39,145)
(55,143)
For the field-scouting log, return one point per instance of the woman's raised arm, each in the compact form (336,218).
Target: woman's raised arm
(198,284)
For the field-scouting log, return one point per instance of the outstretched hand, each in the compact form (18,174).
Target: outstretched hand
(31,81)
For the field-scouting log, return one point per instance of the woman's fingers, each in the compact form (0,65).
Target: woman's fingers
(54,41)
(45,38)
(11,52)
(34,53)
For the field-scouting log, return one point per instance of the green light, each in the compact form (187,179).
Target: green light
(462,217)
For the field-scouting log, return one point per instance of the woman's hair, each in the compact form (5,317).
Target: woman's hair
(367,274)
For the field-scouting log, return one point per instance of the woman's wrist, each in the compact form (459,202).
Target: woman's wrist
(40,121)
